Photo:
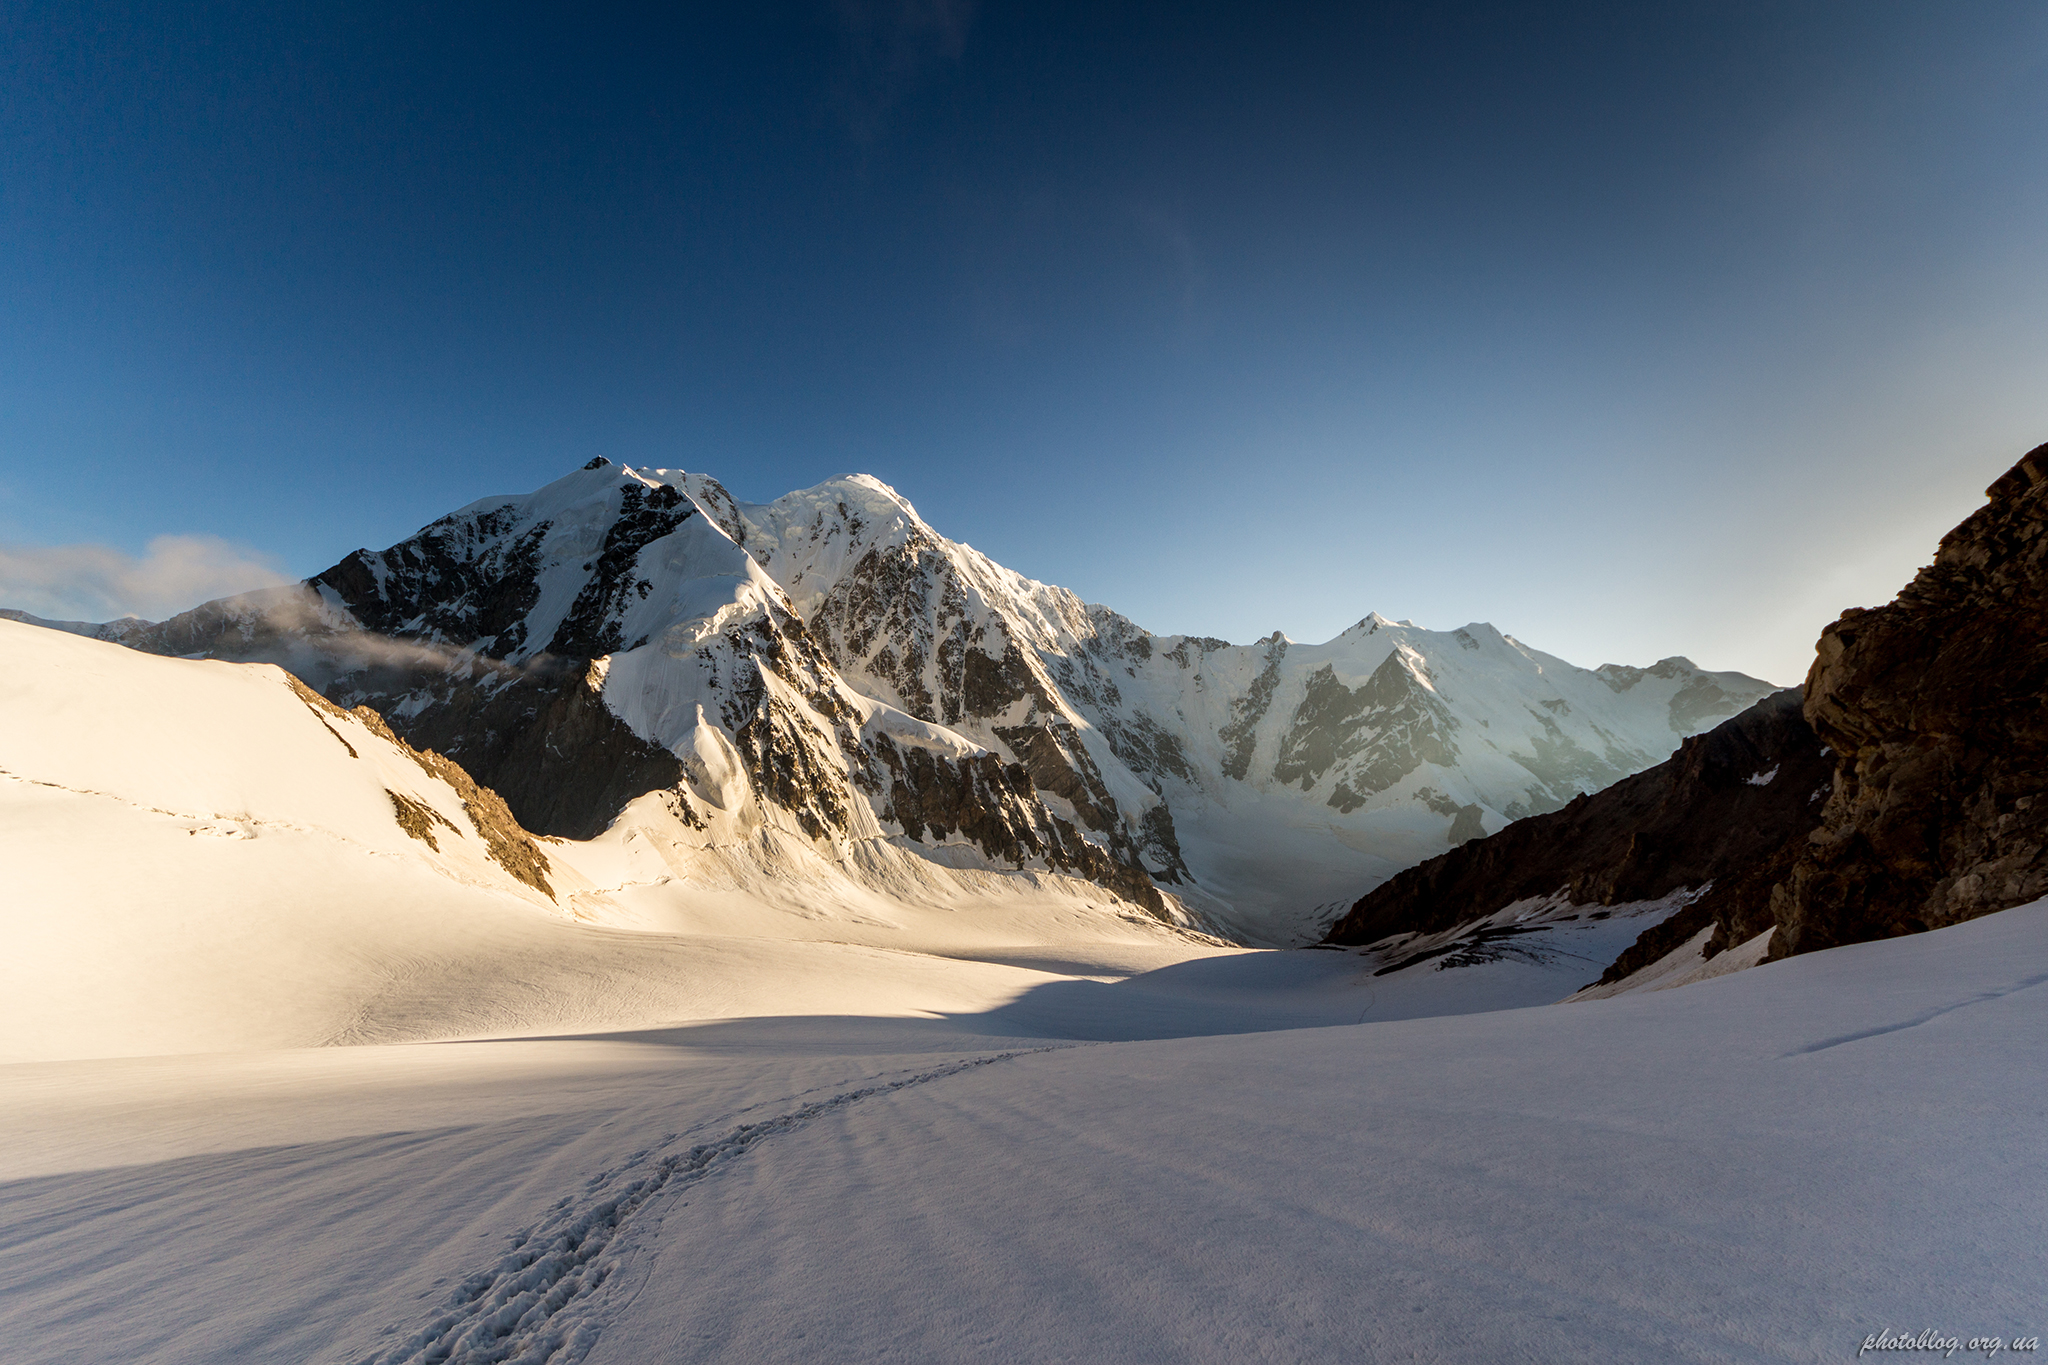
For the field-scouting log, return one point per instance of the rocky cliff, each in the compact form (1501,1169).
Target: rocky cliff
(1934,708)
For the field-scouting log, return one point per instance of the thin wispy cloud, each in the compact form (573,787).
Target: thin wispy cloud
(101,583)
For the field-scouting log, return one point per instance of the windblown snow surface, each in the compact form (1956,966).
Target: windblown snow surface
(646,1109)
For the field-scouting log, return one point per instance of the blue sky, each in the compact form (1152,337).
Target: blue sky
(1635,330)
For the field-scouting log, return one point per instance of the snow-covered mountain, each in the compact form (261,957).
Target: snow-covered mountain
(829,666)
(1257,782)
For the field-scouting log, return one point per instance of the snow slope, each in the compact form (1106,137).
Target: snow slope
(1772,1166)
(208,856)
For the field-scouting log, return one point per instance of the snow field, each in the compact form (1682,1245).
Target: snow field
(1768,1166)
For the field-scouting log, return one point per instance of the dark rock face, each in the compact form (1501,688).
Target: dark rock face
(1721,809)
(995,805)
(459,579)
(591,628)
(540,736)
(1240,736)
(1405,727)
(903,607)
(1934,705)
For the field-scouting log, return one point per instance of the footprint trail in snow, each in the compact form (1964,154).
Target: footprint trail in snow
(542,1304)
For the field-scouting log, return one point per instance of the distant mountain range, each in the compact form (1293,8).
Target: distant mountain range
(1900,790)
(830,666)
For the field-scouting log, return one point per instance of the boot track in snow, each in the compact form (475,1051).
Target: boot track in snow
(539,1305)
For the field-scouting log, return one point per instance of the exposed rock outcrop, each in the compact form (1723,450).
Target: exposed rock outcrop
(511,847)
(1934,705)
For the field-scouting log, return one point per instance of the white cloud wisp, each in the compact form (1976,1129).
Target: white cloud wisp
(100,583)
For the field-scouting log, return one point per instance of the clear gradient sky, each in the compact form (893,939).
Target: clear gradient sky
(1633,329)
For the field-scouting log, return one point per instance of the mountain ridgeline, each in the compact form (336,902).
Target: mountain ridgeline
(1902,791)
(637,644)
